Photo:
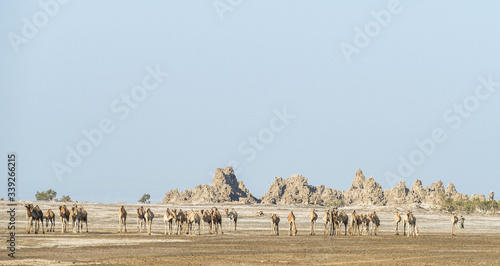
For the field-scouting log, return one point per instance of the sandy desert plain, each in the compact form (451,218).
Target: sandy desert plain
(252,243)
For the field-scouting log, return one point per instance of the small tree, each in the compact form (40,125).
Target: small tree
(46,195)
(145,198)
(65,198)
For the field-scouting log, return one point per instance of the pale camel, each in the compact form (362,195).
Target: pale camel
(64,213)
(375,225)
(81,217)
(28,207)
(405,220)
(326,222)
(149,219)
(233,217)
(216,221)
(36,216)
(50,217)
(312,218)
(122,220)
(343,219)
(179,217)
(141,218)
(72,215)
(168,219)
(356,222)
(206,216)
(412,224)
(397,220)
(454,221)
(291,224)
(193,218)
(275,225)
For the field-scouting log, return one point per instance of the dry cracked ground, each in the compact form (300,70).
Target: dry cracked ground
(477,244)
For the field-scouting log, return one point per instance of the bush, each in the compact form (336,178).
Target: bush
(46,195)
(145,198)
(469,206)
(65,198)
(335,203)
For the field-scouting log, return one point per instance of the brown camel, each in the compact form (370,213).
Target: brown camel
(412,224)
(149,219)
(168,219)
(275,225)
(37,217)
(81,217)
(233,217)
(356,222)
(291,224)
(397,220)
(216,221)
(326,222)
(334,222)
(207,219)
(454,221)
(122,220)
(343,219)
(72,215)
(193,218)
(64,213)
(50,217)
(141,218)
(28,207)
(375,225)
(179,217)
(312,218)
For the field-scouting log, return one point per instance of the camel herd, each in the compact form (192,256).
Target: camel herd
(178,221)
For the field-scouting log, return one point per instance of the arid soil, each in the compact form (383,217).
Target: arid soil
(477,244)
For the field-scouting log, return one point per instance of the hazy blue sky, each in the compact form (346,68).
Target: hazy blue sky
(318,88)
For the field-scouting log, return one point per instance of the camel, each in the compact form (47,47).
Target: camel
(291,224)
(326,222)
(397,220)
(312,218)
(366,220)
(36,215)
(334,222)
(275,225)
(149,219)
(233,217)
(168,219)
(50,217)
(216,221)
(180,218)
(193,218)
(207,219)
(356,222)
(454,221)
(64,213)
(405,220)
(122,220)
(28,207)
(72,215)
(412,225)
(375,225)
(141,218)
(81,217)
(343,219)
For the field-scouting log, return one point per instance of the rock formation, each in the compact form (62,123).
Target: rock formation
(225,188)
(296,190)
(364,191)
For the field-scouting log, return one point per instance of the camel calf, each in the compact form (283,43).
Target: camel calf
(50,217)
(168,219)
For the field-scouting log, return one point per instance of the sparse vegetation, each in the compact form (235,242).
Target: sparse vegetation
(65,198)
(48,195)
(145,198)
(335,203)
(470,206)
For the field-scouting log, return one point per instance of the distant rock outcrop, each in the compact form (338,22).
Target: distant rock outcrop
(296,190)
(364,191)
(225,188)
